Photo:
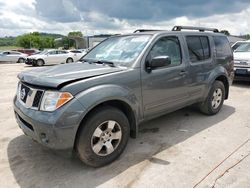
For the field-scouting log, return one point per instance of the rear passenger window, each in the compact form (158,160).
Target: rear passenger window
(198,48)
(222,46)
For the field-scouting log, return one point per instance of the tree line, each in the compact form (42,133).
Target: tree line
(40,40)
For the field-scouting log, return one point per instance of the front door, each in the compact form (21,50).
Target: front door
(165,88)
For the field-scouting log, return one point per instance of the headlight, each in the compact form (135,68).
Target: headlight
(52,100)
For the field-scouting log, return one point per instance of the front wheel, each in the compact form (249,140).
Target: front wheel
(103,136)
(214,100)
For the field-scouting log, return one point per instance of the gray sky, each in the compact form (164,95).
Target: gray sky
(120,16)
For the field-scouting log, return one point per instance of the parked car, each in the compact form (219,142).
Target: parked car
(28,51)
(242,62)
(93,106)
(237,44)
(49,57)
(77,53)
(12,56)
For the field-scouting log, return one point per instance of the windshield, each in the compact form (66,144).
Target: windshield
(120,50)
(243,48)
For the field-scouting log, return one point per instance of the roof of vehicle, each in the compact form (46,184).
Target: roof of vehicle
(178,32)
(189,30)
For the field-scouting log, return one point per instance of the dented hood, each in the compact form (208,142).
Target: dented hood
(56,76)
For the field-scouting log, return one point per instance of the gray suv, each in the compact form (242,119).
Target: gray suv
(94,106)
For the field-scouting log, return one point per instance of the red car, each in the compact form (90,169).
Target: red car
(28,51)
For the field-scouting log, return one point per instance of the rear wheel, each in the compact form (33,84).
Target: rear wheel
(69,60)
(214,100)
(103,136)
(40,62)
(21,60)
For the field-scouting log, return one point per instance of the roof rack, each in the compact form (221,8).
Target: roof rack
(145,30)
(201,29)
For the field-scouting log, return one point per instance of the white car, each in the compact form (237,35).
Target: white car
(49,57)
(12,56)
(242,61)
(78,53)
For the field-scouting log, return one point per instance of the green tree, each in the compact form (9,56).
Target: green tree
(226,32)
(35,40)
(74,34)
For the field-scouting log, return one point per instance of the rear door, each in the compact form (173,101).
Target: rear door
(164,89)
(62,56)
(201,63)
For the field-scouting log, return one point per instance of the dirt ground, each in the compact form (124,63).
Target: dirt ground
(181,149)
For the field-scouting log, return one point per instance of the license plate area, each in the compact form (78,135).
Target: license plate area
(241,71)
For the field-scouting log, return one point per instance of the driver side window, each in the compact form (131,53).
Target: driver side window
(167,46)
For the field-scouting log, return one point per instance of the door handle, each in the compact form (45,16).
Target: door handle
(183,73)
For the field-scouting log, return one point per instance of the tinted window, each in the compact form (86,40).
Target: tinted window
(222,46)
(62,52)
(198,48)
(52,52)
(167,46)
(75,51)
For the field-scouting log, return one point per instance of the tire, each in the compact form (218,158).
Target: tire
(21,60)
(214,100)
(69,60)
(40,62)
(92,144)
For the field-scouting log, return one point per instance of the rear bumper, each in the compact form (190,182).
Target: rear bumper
(56,130)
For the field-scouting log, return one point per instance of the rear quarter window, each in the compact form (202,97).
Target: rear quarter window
(222,46)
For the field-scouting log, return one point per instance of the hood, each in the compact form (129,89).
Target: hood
(242,56)
(59,75)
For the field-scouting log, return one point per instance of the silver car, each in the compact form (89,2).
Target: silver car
(12,56)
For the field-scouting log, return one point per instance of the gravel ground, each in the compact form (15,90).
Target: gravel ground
(181,149)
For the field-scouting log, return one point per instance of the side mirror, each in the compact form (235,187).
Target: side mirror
(159,61)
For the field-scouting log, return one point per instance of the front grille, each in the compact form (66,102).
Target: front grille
(30,97)
(29,61)
(37,98)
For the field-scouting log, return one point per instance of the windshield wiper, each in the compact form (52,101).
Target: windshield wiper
(98,62)
(104,62)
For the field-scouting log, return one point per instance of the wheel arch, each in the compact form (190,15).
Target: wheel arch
(116,103)
(225,82)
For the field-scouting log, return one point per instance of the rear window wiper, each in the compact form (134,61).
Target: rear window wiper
(98,62)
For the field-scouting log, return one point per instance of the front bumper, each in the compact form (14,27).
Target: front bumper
(56,130)
(242,73)
(29,61)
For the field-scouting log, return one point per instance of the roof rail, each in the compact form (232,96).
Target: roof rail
(145,30)
(201,29)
